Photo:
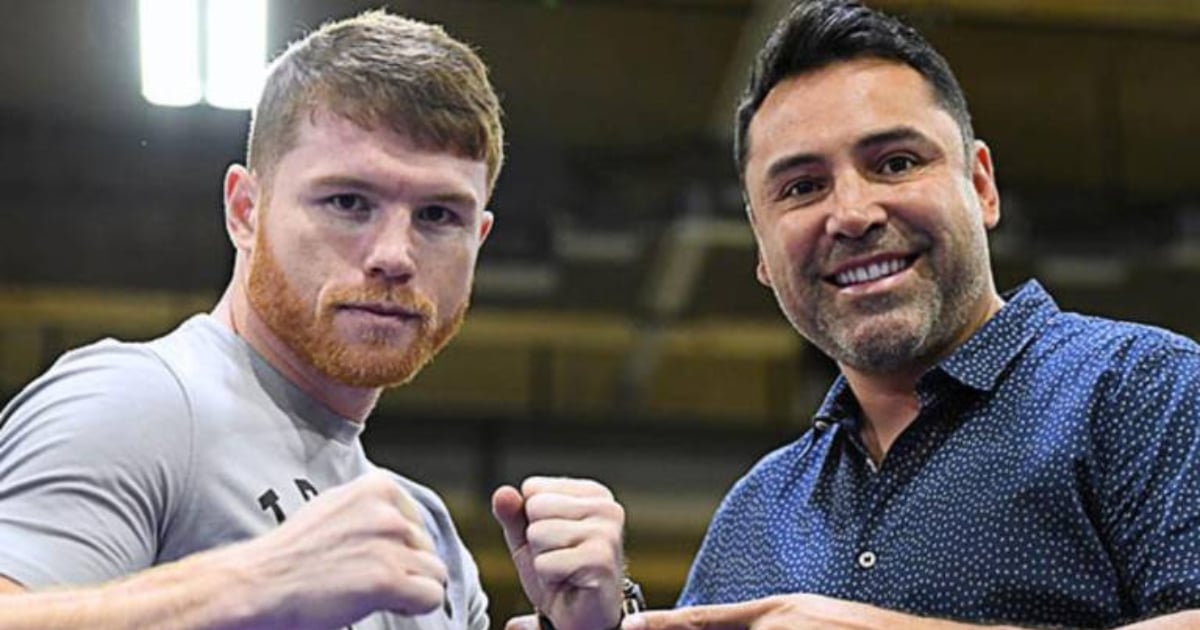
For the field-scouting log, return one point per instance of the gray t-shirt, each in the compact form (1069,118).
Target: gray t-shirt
(123,456)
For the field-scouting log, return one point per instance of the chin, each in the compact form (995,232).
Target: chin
(884,344)
(371,364)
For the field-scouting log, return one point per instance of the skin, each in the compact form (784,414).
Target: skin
(850,164)
(354,264)
(350,212)
(565,537)
(375,241)
(855,164)
(353,550)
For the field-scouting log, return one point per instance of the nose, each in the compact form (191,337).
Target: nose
(390,256)
(855,212)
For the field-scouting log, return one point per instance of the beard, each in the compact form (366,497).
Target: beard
(895,331)
(376,356)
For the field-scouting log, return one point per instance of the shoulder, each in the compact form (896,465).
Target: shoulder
(1119,344)
(108,386)
(111,410)
(1093,360)
(1140,383)
(1129,358)
(92,455)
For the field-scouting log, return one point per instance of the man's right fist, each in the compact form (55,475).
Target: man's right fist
(356,549)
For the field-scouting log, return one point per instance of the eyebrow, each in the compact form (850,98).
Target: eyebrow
(863,145)
(890,136)
(363,185)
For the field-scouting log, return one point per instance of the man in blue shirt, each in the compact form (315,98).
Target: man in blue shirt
(982,458)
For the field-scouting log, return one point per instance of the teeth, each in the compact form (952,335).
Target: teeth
(873,271)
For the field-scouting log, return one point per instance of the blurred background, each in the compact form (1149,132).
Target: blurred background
(618,331)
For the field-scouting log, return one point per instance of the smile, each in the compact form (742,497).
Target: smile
(870,272)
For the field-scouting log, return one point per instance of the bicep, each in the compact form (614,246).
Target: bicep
(84,472)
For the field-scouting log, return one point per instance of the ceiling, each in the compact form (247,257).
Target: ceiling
(619,219)
(614,108)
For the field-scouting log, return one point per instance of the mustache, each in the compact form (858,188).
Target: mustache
(874,242)
(399,297)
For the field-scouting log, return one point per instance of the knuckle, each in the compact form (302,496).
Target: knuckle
(595,488)
(418,596)
(437,568)
(548,570)
(613,511)
(380,552)
(378,577)
(389,523)
(534,484)
(695,618)
(539,531)
(539,506)
(375,481)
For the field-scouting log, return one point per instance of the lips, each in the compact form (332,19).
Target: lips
(383,310)
(876,268)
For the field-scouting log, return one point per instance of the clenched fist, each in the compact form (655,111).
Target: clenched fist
(357,549)
(565,537)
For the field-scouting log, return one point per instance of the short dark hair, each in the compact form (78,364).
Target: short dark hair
(817,33)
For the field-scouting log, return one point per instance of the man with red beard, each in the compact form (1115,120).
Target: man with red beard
(982,458)
(213,478)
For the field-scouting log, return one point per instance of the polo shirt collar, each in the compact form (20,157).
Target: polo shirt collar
(980,362)
(986,356)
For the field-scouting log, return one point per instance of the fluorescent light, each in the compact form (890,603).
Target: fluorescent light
(170,51)
(237,52)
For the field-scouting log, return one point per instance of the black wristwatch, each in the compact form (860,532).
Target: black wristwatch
(632,601)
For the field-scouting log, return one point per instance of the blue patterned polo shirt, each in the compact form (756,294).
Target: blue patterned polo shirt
(1052,476)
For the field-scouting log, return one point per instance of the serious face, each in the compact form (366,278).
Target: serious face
(365,250)
(871,229)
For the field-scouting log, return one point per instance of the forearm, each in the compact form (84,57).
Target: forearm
(204,591)
(1184,620)
(1174,621)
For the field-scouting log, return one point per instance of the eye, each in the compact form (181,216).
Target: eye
(896,164)
(802,188)
(438,215)
(348,203)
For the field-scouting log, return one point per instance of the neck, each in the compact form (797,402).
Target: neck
(235,311)
(889,399)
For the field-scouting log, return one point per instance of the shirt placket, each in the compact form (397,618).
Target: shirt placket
(882,483)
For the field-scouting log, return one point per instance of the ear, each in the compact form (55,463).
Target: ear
(485,226)
(983,181)
(241,211)
(760,270)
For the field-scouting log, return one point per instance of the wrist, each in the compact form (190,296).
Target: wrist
(201,591)
(230,580)
(632,601)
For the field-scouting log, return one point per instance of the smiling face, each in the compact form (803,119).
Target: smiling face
(364,250)
(871,228)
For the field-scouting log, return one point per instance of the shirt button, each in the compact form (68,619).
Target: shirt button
(866,559)
(821,425)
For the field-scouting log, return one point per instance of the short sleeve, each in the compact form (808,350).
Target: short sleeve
(92,455)
(1150,493)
